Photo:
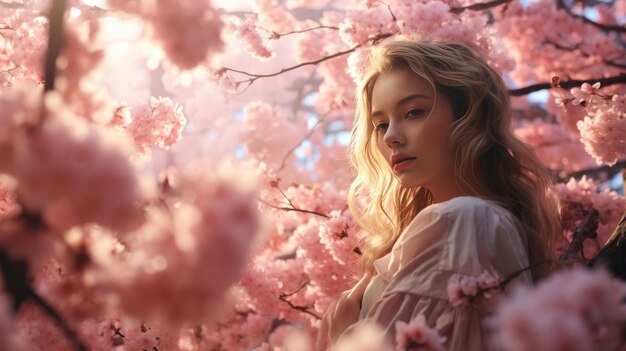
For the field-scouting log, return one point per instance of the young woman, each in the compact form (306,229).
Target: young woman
(448,191)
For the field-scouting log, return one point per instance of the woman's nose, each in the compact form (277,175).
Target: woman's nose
(394,135)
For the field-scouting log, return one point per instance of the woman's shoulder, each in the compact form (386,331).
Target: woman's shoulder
(463,205)
(481,233)
(471,212)
(464,235)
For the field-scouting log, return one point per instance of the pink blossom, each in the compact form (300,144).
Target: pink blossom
(365,337)
(27,43)
(80,71)
(575,309)
(189,30)
(417,334)
(192,255)
(363,24)
(246,31)
(57,164)
(159,124)
(577,198)
(603,129)
(462,289)
(273,16)
(554,145)
(261,123)
(585,93)
(9,207)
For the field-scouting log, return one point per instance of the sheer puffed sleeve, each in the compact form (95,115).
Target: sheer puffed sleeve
(462,236)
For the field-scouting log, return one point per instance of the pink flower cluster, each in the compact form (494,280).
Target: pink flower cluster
(78,77)
(418,335)
(159,124)
(64,167)
(554,145)
(576,309)
(23,47)
(362,24)
(189,31)
(525,31)
(261,123)
(463,289)
(8,200)
(585,192)
(272,15)
(190,253)
(603,130)
(245,30)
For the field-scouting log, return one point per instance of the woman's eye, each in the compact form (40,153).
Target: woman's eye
(414,112)
(381,127)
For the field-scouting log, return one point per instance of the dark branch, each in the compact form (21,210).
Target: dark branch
(303,309)
(56,317)
(479,6)
(604,27)
(55,42)
(619,79)
(15,273)
(586,230)
(602,173)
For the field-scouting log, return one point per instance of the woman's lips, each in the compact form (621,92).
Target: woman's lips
(403,164)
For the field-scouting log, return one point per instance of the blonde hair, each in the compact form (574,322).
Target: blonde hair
(489,161)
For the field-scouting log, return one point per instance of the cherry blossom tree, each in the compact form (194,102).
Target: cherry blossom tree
(173,173)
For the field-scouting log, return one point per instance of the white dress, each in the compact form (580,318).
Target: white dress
(462,236)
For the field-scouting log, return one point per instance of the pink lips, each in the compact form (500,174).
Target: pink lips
(401,165)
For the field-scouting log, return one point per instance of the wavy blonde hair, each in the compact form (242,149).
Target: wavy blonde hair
(489,161)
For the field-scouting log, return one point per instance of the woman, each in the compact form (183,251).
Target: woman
(449,191)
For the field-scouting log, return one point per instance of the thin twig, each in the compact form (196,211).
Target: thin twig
(255,76)
(295,292)
(275,35)
(290,209)
(304,309)
(619,79)
(290,151)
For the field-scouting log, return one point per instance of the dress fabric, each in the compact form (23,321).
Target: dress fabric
(465,235)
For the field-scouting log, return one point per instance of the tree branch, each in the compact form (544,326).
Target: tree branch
(275,35)
(292,208)
(308,135)
(619,79)
(586,230)
(610,171)
(55,42)
(604,27)
(479,6)
(255,76)
(16,283)
(306,309)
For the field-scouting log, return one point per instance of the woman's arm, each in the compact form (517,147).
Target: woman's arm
(341,314)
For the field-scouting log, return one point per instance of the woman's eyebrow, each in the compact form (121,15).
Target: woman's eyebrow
(403,101)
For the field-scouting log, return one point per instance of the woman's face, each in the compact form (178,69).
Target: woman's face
(401,104)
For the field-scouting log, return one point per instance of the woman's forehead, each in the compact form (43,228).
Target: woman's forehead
(394,87)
